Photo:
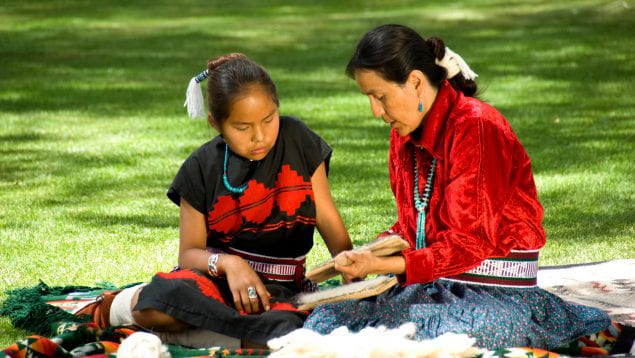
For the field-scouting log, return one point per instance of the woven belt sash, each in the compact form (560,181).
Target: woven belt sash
(518,269)
(273,268)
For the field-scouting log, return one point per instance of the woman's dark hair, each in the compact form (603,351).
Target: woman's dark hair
(229,77)
(393,51)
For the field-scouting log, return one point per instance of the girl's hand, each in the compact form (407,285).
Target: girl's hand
(355,264)
(240,277)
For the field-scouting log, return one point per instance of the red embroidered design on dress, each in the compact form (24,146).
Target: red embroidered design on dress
(293,190)
(282,223)
(223,217)
(257,202)
(207,287)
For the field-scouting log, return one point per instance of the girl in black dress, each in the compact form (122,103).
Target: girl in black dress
(249,202)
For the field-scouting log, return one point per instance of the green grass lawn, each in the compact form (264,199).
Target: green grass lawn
(92,128)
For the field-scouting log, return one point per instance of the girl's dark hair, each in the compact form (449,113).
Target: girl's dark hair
(229,77)
(393,51)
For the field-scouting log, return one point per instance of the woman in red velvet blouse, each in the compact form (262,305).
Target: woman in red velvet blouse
(466,203)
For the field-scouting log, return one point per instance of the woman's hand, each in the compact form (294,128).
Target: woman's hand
(356,264)
(240,277)
(342,260)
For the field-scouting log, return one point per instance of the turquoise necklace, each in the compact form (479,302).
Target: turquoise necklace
(228,186)
(420,204)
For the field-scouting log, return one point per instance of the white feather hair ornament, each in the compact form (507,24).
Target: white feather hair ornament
(194,101)
(454,64)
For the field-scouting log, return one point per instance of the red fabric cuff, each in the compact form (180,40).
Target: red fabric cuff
(419,266)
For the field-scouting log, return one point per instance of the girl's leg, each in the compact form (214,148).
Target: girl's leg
(155,320)
(174,331)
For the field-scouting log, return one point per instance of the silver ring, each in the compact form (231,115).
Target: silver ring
(251,293)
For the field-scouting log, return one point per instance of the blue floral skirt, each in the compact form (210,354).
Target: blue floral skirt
(497,317)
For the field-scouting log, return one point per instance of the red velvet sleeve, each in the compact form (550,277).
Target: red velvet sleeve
(481,183)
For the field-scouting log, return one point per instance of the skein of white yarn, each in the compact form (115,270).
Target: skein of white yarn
(142,345)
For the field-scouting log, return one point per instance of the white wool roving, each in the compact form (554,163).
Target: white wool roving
(371,342)
(142,345)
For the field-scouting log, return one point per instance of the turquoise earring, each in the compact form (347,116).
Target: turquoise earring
(420,106)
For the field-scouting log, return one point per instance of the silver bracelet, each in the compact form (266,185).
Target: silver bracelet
(211,265)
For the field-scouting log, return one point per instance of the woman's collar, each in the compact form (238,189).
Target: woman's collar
(431,131)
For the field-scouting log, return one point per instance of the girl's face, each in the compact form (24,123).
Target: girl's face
(252,127)
(397,104)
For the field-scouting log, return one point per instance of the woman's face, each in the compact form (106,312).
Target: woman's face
(397,104)
(252,127)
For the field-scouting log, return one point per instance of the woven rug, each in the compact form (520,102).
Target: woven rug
(87,340)
(608,285)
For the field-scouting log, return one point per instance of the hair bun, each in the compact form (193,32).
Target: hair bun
(437,46)
(213,63)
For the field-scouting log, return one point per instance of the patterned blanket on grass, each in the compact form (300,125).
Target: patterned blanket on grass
(48,311)
(608,285)
(87,340)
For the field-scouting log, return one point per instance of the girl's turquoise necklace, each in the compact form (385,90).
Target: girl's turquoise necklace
(420,204)
(228,186)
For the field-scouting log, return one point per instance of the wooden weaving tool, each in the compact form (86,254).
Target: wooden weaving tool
(355,290)
(383,246)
